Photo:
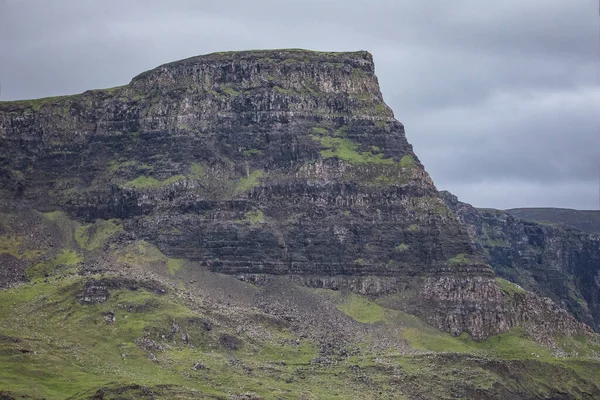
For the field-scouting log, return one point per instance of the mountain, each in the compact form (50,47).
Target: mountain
(584,220)
(253,225)
(555,261)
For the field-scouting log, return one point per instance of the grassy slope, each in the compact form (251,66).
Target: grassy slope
(52,346)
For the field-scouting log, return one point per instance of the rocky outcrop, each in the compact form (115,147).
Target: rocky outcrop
(583,220)
(98,290)
(552,261)
(257,164)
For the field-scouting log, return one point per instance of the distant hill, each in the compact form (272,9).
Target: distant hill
(584,220)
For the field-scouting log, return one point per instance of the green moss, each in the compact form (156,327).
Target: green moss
(360,261)
(431,340)
(460,259)
(401,247)
(54,215)
(175,265)
(413,228)
(281,90)
(361,309)
(346,150)
(230,91)
(141,253)
(77,352)
(250,181)
(116,166)
(144,182)
(14,245)
(196,170)
(37,104)
(407,161)
(509,287)
(93,236)
(253,217)
(60,263)
(319,131)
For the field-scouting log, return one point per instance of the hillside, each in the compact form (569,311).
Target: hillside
(584,220)
(253,225)
(552,260)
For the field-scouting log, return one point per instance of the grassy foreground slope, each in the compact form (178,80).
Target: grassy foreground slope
(52,346)
(169,329)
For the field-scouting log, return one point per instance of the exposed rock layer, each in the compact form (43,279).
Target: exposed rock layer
(253,163)
(558,262)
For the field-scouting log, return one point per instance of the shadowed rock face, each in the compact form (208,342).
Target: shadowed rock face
(257,164)
(555,261)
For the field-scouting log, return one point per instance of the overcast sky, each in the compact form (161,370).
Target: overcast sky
(500,99)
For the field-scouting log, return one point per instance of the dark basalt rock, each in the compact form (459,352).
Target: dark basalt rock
(554,261)
(257,164)
(98,290)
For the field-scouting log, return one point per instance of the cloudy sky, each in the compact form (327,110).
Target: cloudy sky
(500,99)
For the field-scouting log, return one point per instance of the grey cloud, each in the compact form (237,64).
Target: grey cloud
(500,99)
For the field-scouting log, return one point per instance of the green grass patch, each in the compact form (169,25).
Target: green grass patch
(230,91)
(175,265)
(361,309)
(346,150)
(460,259)
(144,182)
(61,263)
(407,161)
(401,247)
(14,245)
(319,131)
(253,217)
(509,287)
(93,236)
(251,181)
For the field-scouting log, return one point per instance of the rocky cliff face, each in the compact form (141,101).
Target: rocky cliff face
(583,220)
(257,164)
(553,261)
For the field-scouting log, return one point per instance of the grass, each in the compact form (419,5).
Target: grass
(196,170)
(360,309)
(509,287)
(15,246)
(63,348)
(60,263)
(460,259)
(401,247)
(93,236)
(230,91)
(253,217)
(144,182)
(252,180)
(407,161)
(175,265)
(346,150)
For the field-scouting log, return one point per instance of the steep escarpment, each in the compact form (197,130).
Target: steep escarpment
(256,164)
(554,261)
(583,220)
(253,225)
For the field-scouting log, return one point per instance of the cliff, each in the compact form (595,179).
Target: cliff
(583,220)
(253,225)
(269,162)
(554,261)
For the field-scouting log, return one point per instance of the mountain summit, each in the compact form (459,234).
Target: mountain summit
(278,172)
